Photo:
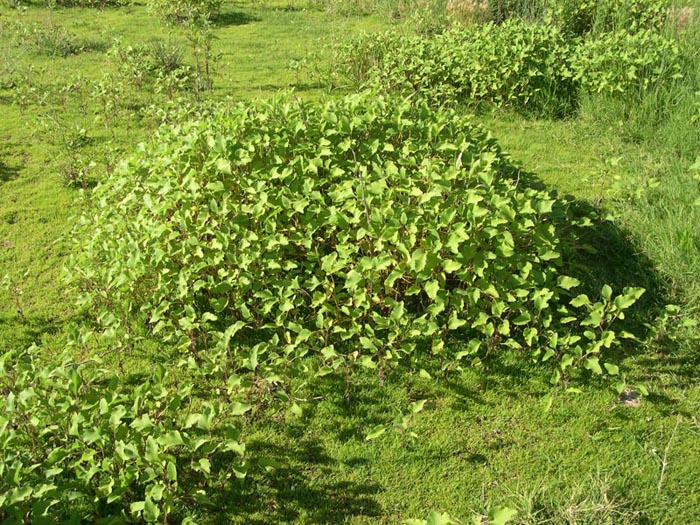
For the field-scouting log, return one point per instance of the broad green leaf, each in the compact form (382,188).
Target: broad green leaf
(567,283)
(171,439)
(205,465)
(522,319)
(172,471)
(353,279)
(629,297)
(152,450)
(418,260)
(375,432)
(424,374)
(435,518)
(455,322)
(613,370)
(431,288)
(450,266)
(641,389)
(238,409)
(367,362)
(398,312)
(606,292)
(593,365)
(580,300)
(156,491)
(20,494)
(296,409)
(501,516)
(417,406)
(151,512)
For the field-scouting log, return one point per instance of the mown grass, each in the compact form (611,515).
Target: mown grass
(485,438)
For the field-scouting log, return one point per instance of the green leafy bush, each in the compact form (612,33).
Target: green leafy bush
(577,18)
(356,61)
(574,17)
(140,65)
(581,17)
(514,64)
(532,10)
(530,67)
(624,63)
(365,231)
(189,11)
(425,17)
(82,443)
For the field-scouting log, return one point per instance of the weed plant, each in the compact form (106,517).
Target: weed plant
(52,40)
(187,12)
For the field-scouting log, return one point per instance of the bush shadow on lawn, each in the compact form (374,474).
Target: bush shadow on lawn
(234,18)
(606,254)
(18,332)
(290,494)
(8,173)
(617,261)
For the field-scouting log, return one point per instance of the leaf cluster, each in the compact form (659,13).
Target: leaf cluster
(622,62)
(142,65)
(51,39)
(80,443)
(579,18)
(514,64)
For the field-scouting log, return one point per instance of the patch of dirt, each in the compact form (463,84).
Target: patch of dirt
(630,398)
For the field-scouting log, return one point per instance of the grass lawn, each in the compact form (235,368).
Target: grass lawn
(485,438)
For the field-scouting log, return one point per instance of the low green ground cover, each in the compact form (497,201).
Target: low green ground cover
(465,439)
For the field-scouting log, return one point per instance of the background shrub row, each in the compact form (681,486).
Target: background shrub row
(528,66)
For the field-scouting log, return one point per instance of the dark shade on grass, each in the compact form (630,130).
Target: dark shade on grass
(234,18)
(8,172)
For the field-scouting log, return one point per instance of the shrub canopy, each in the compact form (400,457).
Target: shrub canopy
(356,231)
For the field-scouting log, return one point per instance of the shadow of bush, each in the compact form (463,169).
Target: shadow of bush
(286,494)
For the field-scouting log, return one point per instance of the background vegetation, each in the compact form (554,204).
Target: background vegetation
(159,399)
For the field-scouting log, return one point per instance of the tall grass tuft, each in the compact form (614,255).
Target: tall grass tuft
(665,120)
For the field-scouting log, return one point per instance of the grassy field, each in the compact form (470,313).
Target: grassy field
(485,436)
